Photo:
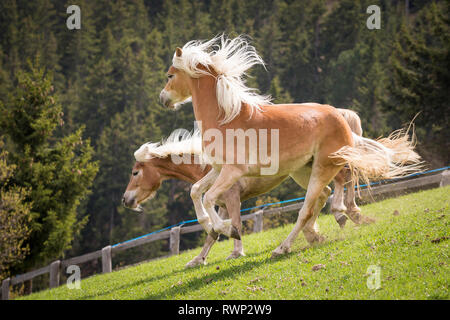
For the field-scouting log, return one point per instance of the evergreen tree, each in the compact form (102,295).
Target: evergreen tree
(341,27)
(28,29)
(419,80)
(115,150)
(268,42)
(14,218)
(278,94)
(222,12)
(300,74)
(57,171)
(369,82)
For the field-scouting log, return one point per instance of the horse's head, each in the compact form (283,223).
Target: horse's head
(176,90)
(145,180)
(220,65)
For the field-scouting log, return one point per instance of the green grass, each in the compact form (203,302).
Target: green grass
(410,248)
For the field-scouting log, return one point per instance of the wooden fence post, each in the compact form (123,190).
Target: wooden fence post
(174,241)
(5,289)
(106,259)
(54,273)
(445,178)
(258,221)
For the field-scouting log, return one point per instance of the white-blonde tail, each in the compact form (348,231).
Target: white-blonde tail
(385,158)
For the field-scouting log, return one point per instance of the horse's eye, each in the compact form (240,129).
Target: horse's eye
(135,173)
(170,76)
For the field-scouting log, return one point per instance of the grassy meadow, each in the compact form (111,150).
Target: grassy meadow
(410,247)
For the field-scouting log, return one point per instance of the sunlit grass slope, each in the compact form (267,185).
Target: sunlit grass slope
(411,248)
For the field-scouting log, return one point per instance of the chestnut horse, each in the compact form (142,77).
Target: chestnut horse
(312,142)
(154,165)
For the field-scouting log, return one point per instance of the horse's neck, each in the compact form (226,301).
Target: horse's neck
(204,101)
(205,104)
(186,172)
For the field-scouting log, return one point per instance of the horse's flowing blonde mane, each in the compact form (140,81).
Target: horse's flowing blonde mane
(179,142)
(230,59)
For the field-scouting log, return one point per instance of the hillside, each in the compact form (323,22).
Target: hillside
(410,247)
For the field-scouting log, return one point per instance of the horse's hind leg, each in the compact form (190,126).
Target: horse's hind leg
(338,208)
(310,230)
(321,176)
(353,211)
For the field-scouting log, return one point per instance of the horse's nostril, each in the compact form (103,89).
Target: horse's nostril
(164,99)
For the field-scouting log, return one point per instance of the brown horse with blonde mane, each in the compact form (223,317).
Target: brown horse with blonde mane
(154,165)
(311,142)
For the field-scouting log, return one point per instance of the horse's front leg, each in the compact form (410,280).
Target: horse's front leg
(201,258)
(227,177)
(197,191)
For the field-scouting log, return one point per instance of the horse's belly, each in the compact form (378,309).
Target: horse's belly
(252,187)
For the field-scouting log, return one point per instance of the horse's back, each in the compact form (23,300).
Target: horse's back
(311,115)
(311,129)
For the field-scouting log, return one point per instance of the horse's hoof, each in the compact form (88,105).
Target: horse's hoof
(235,255)
(281,250)
(313,237)
(320,239)
(190,264)
(227,229)
(195,262)
(342,221)
(276,254)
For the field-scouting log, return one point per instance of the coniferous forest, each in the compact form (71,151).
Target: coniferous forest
(76,103)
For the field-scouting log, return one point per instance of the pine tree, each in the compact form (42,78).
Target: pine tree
(419,80)
(278,94)
(57,171)
(222,12)
(341,27)
(115,150)
(14,218)
(268,42)
(29,30)
(299,63)
(369,83)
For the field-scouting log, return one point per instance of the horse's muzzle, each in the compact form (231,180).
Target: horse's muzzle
(165,99)
(128,201)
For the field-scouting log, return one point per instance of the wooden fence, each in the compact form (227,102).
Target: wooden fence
(54,269)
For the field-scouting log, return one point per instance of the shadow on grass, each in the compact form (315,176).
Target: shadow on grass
(231,272)
(196,283)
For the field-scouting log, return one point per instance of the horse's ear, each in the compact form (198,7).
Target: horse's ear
(178,52)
